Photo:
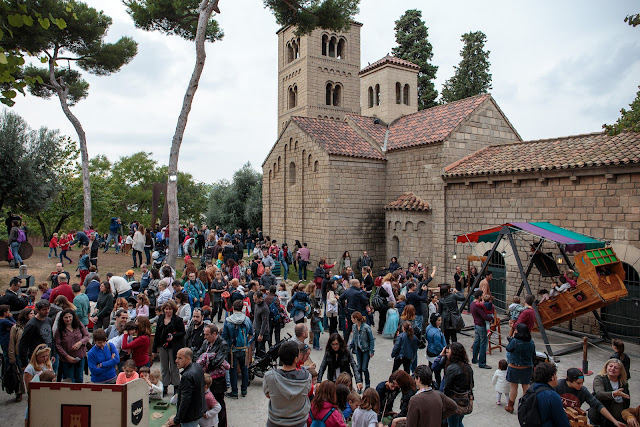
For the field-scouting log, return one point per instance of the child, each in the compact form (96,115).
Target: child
(618,346)
(515,308)
(131,308)
(401,302)
(543,295)
(153,380)
(332,310)
(391,324)
(159,315)
(316,328)
(502,386)
(367,413)
(63,243)
(489,310)
(314,380)
(53,245)
(353,402)
(559,288)
(210,418)
(129,372)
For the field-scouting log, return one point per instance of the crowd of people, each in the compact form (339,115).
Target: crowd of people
(225,313)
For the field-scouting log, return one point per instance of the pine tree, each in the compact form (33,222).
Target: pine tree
(472,76)
(413,45)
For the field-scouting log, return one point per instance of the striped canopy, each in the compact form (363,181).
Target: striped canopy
(572,241)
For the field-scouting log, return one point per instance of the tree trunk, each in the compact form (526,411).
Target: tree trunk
(206,9)
(43,229)
(62,93)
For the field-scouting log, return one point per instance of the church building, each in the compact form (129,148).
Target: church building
(356,167)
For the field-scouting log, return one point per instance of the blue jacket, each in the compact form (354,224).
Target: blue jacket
(195,290)
(520,352)
(357,300)
(362,340)
(102,356)
(435,340)
(550,407)
(93,290)
(405,348)
(114,227)
(83,263)
(300,300)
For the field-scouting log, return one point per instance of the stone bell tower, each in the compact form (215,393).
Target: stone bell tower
(318,74)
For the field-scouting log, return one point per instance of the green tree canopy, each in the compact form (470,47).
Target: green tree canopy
(307,15)
(31,163)
(629,119)
(237,204)
(413,45)
(472,75)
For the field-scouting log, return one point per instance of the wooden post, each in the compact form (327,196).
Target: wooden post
(585,361)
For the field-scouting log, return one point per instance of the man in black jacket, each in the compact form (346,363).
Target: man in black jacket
(191,405)
(214,344)
(260,321)
(356,300)
(13,297)
(195,331)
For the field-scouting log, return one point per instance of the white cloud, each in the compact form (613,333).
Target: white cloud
(559,68)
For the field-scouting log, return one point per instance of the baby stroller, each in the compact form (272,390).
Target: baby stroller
(263,361)
(159,254)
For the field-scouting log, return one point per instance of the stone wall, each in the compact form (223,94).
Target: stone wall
(409,236)
(601,203)
(355,220)
(419,170)
(294,202)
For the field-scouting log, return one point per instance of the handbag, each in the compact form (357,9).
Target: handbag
(464,401)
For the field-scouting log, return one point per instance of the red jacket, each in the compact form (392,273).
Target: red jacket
(53,243)
(528,317)
(140,347)
(335,419)
(61,290)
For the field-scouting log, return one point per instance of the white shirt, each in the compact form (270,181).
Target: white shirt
(119,285)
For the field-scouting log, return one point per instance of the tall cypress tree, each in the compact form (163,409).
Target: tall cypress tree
(472,76)
(411,36)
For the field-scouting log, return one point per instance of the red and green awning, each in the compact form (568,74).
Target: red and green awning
(572,241)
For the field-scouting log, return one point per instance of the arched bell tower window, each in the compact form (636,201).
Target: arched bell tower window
(337,95)
(333,43)
(370,97)
(328,93)
(342,48)
(293,96)
(292,173)
(406,94)
(325,44)
(377,100)
(398,93)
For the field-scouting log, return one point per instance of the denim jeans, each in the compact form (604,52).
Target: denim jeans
(480,346)
(114,237)
(285,270)
(55,252)
(239,359)
(362,359)
(417,323)
(316,340)
(15,246)
(302,270)
(74,371)
(455,420)
(190,424)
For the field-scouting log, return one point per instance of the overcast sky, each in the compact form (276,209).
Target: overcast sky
(559,68)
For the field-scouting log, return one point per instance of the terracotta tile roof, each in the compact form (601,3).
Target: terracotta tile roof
(596,149)
(389,60)
(375,130)
(337,137)
(408,202)
(432,124)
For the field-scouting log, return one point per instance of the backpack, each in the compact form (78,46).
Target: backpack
(528,413)
(227,253)
(22,237)
(11,379)
(323,422)
(274,310)
(287,257)
(246,306)
(284,317)
(260,269)
(241,340)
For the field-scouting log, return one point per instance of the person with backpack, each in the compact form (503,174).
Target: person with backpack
(237,332)
(16,237)
(458,383)
(520,353)
(324,407)
(541,405)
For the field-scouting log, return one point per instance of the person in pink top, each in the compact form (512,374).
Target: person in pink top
(324,406)
(129,373)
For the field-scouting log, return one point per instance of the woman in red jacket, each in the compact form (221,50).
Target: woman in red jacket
(64,247)
(140,344)
(324,406)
